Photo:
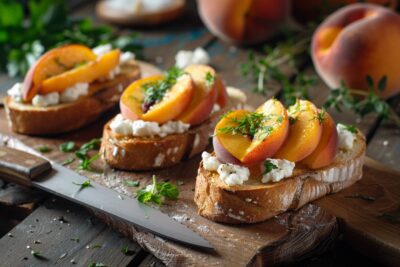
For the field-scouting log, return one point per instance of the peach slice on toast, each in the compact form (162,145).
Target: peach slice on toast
(175,100)
(52,63)
(326,150)
(253,136)
(85,73)
(304,132)
(205,94)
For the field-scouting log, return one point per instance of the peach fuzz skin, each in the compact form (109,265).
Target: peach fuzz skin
(179,98)
(356,41)
(304,132)
(249,151)
(326,150)
(244,21)
(53,63)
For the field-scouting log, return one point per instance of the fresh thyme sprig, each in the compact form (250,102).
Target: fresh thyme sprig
(154,92)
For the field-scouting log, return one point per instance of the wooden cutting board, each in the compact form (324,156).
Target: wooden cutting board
(368,213)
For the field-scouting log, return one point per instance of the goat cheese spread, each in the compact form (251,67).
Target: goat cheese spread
(185,58)
(142,128)
(68,95)
(16,92)
(102,49)
(282,168)
(346,138)
(230,174)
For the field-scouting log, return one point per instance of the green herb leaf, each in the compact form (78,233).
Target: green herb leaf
(38,255)
(76,239)
(83,185)
(43,149)
(382,83)
(132,183)
(269,166)
(370,82)
(86,162)
(350,128)
(126,251)
(68,161)
(156,191)
(210,79)
(97,264)
(67,147)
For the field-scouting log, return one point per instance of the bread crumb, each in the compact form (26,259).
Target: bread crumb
(241,212)
(159,160)
(248,199)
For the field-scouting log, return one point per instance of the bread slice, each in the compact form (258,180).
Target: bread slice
(143,153)
(28,119)
(255,201)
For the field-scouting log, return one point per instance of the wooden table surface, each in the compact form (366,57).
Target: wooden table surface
(58,228)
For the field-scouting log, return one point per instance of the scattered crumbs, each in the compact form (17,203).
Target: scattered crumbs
(241,212)
(120,197)
(248,199)
(87,246)
(72,261)
(9,235)
(180,218)
(76,239)
(203,228)
(179,182)
(28,247)
(386,142)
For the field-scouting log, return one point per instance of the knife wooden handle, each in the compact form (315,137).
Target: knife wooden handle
(20,167)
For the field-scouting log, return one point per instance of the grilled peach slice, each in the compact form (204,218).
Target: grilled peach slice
(304,133)
(205,94)
(172,104)
(325,152)
(82,74)
(52,63)
(251,137)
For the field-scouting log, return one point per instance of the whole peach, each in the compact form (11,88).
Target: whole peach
(309,10)
(356,41)
(243,21)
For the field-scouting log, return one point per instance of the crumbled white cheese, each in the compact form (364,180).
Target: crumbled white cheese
(142,128)
(185,58)
(113,73)
(137,6)
(16,92)
(102,49)
(232,174)
(346,138)
(210,163)
(126,56)
(284,168)
(46,100)
(74,92)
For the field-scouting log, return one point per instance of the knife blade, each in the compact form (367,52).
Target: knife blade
(26,169)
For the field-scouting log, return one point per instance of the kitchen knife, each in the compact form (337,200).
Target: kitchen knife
(29,170)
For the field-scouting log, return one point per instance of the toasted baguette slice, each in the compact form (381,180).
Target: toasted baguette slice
(141,153)
(28,119)
(255,201)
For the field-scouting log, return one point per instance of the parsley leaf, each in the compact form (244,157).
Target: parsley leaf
(43,149)
(132,183)
(210,79)
(67,146)
(82,154)
(67,161)
(83,185)
(156,192)
(38,255)
(269,166)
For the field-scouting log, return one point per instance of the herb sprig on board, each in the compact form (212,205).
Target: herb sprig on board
(154,92)
(157,192)
(23,39)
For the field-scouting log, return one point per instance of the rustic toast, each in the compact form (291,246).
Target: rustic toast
(255,202)
(145,153)
(28,119)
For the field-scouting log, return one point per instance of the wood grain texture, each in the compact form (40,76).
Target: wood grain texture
(63,232)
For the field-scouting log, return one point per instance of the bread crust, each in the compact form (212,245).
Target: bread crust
(31,120)
(255,202)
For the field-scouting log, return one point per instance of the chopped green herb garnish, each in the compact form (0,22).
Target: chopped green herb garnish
(83,185)
(43,149)
(350,128)
(210,79)
(85,162)
(126,250)
(37,255)
(154,92)
(76,239)
(321,116)
(157,191)
(67,146)
(97,264)
(132,183)
(82,154)
(68,161)
(269,166)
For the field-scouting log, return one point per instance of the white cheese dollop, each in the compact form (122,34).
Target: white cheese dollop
(142,128)
(16,92)
(230,174)
(284,168)
(185,58)
(46,100)
(102,49)
(346,138)
(74,92)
